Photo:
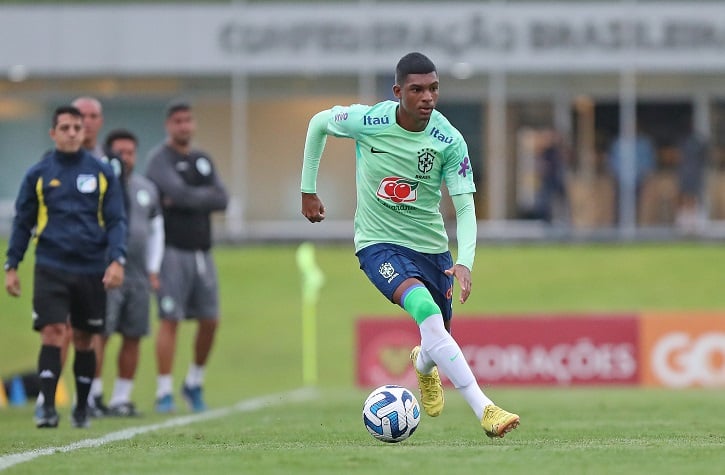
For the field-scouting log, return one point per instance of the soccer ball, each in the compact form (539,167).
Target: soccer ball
(391,413)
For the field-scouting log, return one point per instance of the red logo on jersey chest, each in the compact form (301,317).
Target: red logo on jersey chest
(398,190)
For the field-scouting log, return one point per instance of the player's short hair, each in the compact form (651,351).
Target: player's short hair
(177,106)
(118,134)
(65,109)
(413,63)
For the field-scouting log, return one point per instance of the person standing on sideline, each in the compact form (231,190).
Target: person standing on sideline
(693,150)
(128,306)
(92,112)
(645,164)
(75,204)
(405,150)
(190,191)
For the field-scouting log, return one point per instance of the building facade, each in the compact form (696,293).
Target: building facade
(541,91)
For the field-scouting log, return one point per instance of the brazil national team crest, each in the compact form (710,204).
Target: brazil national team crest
(425,160)
(398,190)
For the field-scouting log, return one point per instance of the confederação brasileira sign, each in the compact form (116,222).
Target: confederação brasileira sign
(369,36)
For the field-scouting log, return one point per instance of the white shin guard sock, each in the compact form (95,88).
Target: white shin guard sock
(440,346)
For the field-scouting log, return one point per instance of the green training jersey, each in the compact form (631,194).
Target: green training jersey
(399,175)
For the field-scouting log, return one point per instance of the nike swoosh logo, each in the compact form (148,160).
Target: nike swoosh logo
(377,150)
(453,358)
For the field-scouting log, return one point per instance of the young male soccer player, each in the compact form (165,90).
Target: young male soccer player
(405,149)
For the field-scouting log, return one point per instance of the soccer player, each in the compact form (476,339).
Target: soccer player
(75,204)
(190,192)
(128,306)
(405,150)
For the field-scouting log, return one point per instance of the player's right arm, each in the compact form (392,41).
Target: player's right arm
(340,121)
(312,207)
(26,215)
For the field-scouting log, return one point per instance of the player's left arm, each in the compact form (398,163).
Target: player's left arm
(459,180)
(466,232)
(114,220)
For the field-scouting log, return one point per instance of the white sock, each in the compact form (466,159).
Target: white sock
(121,392)
(443,349)
(40,400)
(96,390)
(424,363)
(195,376)
(475,398)
(164,385)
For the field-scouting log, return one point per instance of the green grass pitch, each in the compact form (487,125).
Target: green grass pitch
(258,352)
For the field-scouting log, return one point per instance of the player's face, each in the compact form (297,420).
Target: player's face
(418,96)
(180,127)
(67,133)
(92,119)
(125,149)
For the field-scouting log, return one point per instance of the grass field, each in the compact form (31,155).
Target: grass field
(564,430)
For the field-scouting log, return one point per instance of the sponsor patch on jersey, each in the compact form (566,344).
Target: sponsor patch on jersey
(436,133)
(370,120)
(87,183)
(398,190)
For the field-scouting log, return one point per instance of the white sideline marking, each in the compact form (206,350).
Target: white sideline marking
(250,405)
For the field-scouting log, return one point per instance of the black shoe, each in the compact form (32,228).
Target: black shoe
(126,409)
(80,418)
(97,408)
(46,417)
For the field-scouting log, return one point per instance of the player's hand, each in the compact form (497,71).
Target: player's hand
(154,281)
(113,278)
(12,282)
(312,208)
(463,275)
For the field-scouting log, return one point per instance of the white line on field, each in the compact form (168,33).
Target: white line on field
(250,405)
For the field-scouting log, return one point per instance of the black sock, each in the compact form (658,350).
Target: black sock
(49,372)
(84,367)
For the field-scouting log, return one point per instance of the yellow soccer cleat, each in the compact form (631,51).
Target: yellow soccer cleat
(498,422)
(431,389)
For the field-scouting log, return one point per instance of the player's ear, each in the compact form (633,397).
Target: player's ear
(397,90)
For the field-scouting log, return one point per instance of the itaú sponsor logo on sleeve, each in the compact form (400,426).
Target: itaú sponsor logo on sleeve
(580,361)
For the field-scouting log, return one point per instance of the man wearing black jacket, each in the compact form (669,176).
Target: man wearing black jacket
(190,190)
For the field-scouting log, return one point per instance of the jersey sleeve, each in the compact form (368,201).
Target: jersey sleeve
(457,171)
(347,121)
(340,121)
(26,213)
